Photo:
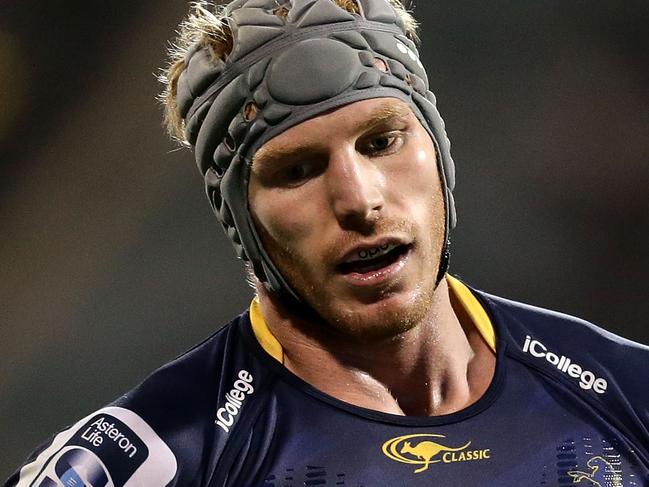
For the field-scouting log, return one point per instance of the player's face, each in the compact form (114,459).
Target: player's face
(349,207)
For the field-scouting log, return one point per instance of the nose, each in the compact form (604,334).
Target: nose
(356,188)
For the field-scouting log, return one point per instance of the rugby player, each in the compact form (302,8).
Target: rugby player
(361,361)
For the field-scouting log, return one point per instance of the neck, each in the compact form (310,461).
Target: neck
(439,366)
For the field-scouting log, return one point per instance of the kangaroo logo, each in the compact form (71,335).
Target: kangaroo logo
(602,474)
(423,453)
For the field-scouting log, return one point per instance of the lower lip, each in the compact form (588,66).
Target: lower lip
(378,276)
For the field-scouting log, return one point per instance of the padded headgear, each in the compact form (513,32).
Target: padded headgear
(320,57)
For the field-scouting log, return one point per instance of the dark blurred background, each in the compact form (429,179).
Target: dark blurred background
(112,262)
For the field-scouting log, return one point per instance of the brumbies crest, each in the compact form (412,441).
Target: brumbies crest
(427,448)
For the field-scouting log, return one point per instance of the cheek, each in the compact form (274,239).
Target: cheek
(426,168)
(419,180)
(283,217)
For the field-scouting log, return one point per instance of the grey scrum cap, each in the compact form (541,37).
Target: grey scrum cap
(318,58)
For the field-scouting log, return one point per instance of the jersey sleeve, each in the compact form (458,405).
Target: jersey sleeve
(111,447)
(603,370)
(185,424)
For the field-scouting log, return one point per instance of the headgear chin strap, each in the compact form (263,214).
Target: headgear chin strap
(283,71)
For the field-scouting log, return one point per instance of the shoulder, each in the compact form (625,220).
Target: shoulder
(156,434)
(519,323)
(597,367)
(113,444)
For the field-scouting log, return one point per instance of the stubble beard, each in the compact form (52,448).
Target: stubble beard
(386,320)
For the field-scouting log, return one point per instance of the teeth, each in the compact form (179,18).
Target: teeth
(366,254)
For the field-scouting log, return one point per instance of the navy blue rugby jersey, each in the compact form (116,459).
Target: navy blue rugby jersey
(568,405)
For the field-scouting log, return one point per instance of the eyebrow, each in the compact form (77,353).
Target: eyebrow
(382,115)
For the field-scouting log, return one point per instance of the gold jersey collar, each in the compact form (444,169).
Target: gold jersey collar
(466,298)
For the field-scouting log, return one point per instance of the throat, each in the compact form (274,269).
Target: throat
(412,394)
(444,396)
(436,367)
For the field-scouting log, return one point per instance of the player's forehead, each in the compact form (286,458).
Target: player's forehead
(349,120)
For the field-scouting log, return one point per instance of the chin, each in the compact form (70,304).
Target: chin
(387,318)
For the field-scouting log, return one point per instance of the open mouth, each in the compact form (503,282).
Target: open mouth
(373,259)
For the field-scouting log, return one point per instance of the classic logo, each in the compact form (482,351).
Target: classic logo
(420,449)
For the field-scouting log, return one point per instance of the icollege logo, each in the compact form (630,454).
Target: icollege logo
(415,449)
(587,379)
